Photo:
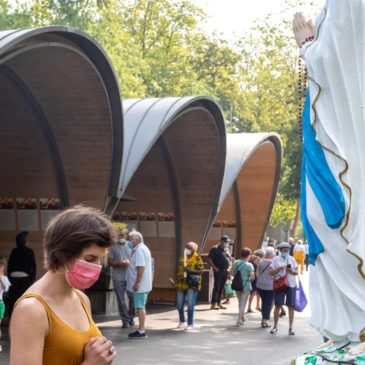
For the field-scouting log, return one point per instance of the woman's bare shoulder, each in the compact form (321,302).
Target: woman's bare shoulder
(28,329)
(29,316)
(30,308)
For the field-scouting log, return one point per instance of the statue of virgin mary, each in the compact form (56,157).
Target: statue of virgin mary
(333,168)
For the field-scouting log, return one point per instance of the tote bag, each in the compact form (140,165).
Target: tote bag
(300,298)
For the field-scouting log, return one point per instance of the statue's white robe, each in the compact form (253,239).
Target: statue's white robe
(336,62)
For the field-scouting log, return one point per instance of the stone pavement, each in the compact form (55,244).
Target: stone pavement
(215,340)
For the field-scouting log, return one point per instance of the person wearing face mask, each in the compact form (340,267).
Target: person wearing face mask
(188,283)
(284,265)
(118,258)
(220,262)
(139,280)
(51,323)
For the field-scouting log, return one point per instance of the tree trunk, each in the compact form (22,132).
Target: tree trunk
(296,220)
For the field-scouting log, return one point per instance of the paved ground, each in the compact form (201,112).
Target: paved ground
(216,339)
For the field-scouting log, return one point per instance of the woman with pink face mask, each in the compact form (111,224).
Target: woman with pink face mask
(51,323)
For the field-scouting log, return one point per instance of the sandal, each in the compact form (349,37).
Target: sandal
(291,332)
(265,325)
(274,331)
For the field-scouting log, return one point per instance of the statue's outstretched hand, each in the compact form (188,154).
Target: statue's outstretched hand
(302,29)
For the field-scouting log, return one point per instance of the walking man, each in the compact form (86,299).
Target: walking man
(220,262)
(118,259)
(139,280)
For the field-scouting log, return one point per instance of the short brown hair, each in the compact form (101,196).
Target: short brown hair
(73,230)
(245,252)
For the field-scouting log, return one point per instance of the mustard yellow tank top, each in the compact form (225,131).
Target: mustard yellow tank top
(63,344)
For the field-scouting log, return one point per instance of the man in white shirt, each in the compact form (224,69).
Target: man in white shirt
(139,280)
(281,266)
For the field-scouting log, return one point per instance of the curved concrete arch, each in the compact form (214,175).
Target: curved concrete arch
(155,115)
(61,127)
(173,161)
(146,120)
(61,64)
(249,188)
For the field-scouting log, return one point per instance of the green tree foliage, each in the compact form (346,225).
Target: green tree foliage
(162,32)
(269,102)
(158,50)
(283,212)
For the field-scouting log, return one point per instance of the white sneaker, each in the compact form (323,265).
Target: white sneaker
(240,323)
(181,325)
(190,327)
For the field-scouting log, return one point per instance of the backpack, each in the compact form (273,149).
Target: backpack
(237,284)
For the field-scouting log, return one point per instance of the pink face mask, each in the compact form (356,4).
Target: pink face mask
(83,274)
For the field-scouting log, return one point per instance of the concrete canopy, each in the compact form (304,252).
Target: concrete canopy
(249,188)
(61,127)
(63,82)
(173,161)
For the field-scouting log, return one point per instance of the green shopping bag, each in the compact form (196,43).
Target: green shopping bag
(228,290)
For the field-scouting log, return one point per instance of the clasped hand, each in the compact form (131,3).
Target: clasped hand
(99,351)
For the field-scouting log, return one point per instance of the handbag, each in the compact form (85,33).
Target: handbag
(228,289)
(281,284)
(192,280)
(300,298)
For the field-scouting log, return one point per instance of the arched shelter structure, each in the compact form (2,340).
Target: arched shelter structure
(173,166)
(61,129)
(249,189)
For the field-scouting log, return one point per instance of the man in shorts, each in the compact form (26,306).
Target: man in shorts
(139,280)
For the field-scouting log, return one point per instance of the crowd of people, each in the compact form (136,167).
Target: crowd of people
(46,313)
(260,273)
